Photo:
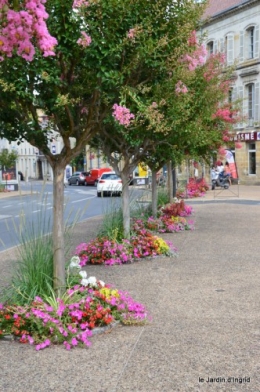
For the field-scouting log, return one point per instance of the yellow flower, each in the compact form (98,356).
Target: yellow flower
(162,245)
(108,293)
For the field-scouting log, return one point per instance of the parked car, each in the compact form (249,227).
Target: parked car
(109,183)
(77,178)
(95,174)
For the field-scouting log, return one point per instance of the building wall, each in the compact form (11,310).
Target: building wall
(235,32)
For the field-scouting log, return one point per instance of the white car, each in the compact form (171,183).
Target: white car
(109,183)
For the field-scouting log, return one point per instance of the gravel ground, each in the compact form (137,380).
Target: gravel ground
(205,318)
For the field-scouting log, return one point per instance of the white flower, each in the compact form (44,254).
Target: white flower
(84,282)
(92,280)
(83,274)
(74,262)
(101,283)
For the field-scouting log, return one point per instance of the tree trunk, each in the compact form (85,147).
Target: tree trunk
(170,184)
(59,282)
(154,194)
(126,206)
(174,182)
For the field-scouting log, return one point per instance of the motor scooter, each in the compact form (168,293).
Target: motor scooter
(219,179)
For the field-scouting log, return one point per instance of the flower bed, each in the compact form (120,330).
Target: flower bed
(70,320)
(172,218)
(109,252)
(194,188)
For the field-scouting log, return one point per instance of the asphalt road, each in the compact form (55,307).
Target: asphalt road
(34,211)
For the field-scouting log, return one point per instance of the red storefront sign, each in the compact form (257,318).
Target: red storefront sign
(246,136)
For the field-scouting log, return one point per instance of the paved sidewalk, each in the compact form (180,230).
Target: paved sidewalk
(205,309)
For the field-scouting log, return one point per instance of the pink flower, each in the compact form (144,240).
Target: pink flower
(67,345)
(122,115)
(74,342)
(24,28)
(238,145)
(85,40)
(131,33)
(80,3)
(181,88)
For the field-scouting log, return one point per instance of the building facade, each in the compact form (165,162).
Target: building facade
(31,162)
(232,27)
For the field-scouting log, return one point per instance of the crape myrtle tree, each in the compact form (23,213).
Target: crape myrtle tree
(201,117)
(72,61)
(190,116)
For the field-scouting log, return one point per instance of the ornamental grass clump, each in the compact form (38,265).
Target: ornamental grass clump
(69,320)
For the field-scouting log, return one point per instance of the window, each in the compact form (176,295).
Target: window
(210,48)
(251,158)
(250,42)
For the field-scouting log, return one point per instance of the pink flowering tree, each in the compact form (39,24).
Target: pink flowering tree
(189,117)
(88,68)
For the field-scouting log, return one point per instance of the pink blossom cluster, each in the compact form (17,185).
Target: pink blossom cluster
(181,88)
(20,28)
(238,145)
(85,40)
(226,136)
(214,63)
(224,114)
(131,33)
(122,115)
(192,40)
(80,3)
(197,58)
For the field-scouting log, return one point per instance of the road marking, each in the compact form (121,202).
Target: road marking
(5,216)
(91,192)
(36,211)
(87,198)
(9,205)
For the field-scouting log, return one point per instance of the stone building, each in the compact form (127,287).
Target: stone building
(232,27)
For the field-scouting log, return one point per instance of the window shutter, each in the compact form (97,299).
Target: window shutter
(241,54)
(257,98)
(222,46)
(230,49)
(245,105)
(234,94)
(241,98)
(215,46)
(256,42)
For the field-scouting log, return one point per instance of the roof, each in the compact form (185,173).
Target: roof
(216,7)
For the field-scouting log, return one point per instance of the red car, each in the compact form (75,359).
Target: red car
(95,174)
